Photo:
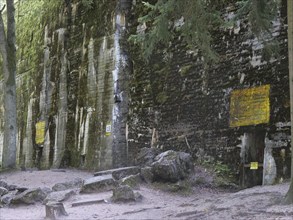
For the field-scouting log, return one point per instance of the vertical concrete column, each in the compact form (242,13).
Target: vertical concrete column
(123,67)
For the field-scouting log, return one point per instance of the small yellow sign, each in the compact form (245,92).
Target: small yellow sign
(108,129)
(40,132)
(250,106)
(254,165)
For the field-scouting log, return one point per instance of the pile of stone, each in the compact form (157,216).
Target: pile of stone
(122,181)
(15,195)
(169,166)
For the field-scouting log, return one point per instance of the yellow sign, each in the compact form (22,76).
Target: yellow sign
(254,165)
(250,106)
(108,129)
(40,132)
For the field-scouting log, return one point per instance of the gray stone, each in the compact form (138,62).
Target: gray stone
(98,184)
(76,183)
(123,194)
(20,189)
(59,196)
(3,191)
(146,156)
(12,187)
(147,174)
(120,173)
(6,199)
(269,164)
(172,166)
(3,184)
(30,196)
(133,181)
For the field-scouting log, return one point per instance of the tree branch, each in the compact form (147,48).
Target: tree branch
(2,9)
(3,41)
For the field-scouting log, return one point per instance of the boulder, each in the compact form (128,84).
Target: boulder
(20,189)
(3,184)
(146,156)
(3,191)
(125,194)
(30,196)
(59,196)
(98,184)
(119,173)
(172,166)
(147,174)
(76,183)
(133,181)
(6,199)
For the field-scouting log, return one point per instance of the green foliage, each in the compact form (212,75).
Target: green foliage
(165,19)
(88,4)
(31,18)
(194,20)
(218,168)
(260,13)
(29,32)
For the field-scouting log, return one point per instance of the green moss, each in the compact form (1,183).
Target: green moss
(185,70)
(161,97)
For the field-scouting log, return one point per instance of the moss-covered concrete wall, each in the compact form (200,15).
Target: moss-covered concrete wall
(178,103)
(100,102)
(69,64)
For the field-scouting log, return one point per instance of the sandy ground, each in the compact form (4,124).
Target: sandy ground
(203,203)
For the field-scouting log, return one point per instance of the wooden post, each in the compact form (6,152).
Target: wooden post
(289,196)
(54,209)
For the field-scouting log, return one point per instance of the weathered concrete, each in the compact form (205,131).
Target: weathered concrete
(125,194)
(76,183)
(30,196)
(120,173)
(98,184)
(59,196)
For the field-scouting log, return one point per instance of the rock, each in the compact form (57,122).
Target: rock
(59,196)
(146,156)
(147,174)
(20,189)
(123,172)
(6,199)
(3,191)
(98,184)
(30,196)
(12,187)
(120,173)
(172,166)
(125,194)
(76,183)
(3,184)
(133,181)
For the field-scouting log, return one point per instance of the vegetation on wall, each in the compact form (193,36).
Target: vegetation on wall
(31,18)
(163,20)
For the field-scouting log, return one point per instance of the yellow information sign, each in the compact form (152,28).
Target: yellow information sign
(250,106)
(108,129)
(254,165)
(40,132)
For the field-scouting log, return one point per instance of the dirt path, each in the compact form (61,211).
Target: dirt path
(254,203)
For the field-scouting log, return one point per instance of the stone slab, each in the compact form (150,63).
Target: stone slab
(98,184)
(120,173)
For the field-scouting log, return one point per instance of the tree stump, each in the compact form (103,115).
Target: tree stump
(54,209)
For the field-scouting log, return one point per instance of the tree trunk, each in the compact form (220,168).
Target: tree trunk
(8,51)
(289,196)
